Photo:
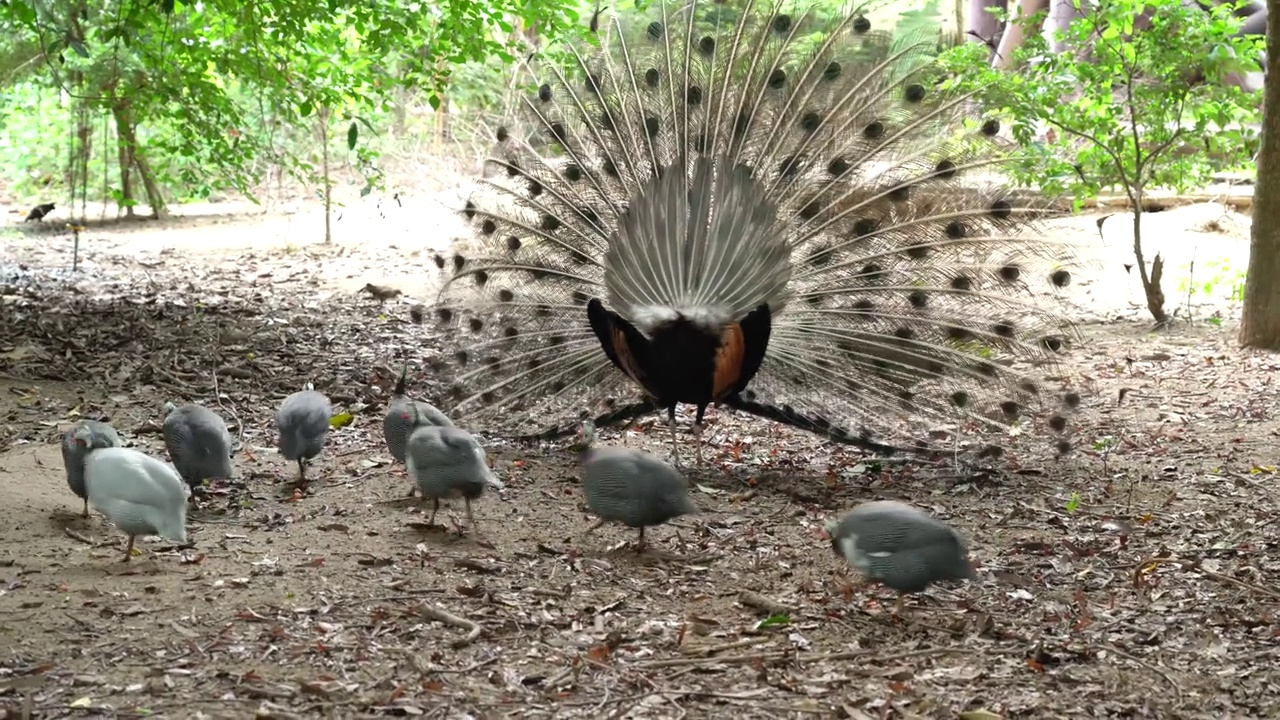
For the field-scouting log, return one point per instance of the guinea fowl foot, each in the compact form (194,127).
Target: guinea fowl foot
(900,607)
(457,526)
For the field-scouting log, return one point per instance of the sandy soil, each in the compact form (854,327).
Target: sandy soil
(1136,578)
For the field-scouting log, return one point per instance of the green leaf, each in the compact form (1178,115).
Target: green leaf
(353,134)
(78,47)
(305,108)
(341,420)
(773,621)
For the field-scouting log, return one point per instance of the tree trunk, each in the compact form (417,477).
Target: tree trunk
(127,200)
(126,130)
(1260,327)
(323,117)
(1150,281)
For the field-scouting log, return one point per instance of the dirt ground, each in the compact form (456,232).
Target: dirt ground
(1135,578)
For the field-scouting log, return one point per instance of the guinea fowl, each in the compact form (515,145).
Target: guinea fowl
(198,442)
(787,215)
(901,546)
(404,415)
(447,462)
(302,427)
(138,493)
(630,486)
(83,438)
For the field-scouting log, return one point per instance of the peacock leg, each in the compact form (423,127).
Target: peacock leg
(675,445)
(128,551)
(435,508)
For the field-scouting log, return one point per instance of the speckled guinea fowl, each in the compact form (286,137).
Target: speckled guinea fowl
(403,416)
(138,493)
(630,486)
(448,462)
(198,442)
(302,427)
(83,438)
(901,546)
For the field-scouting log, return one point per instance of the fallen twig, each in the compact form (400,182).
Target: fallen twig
(77,536)
(434,613)
(760,602)
(692,649)
(801,659)
(1145,664)
(1196,566)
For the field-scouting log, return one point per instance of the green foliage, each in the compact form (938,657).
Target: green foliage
(213,92)
(1122,100)
(1123,104)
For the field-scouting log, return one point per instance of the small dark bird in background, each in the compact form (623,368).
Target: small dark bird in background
(733,215)
(39,212)
(382,293)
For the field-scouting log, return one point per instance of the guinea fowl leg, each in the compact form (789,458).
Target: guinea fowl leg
(302,472)
(435,508)
(675,445)
(640,542)
(902,599)
(85,514)
(128,551)
(471,520)
(697,442)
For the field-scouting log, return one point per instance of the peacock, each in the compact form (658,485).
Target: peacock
(789,215)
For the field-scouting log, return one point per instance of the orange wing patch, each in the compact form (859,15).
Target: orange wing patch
(623,350)
(733,347)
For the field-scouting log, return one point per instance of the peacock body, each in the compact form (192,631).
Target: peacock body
(787,214)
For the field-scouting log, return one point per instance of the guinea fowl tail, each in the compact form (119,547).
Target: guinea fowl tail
(789,214)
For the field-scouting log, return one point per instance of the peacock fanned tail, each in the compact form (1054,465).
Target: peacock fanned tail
(788,214)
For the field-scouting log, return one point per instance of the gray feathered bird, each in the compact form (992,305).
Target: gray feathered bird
(302,427)
(899,545)
(138,493)
(782,213)
(630,486)
(198,442)
(81,439)
(404,415)
(448,462)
